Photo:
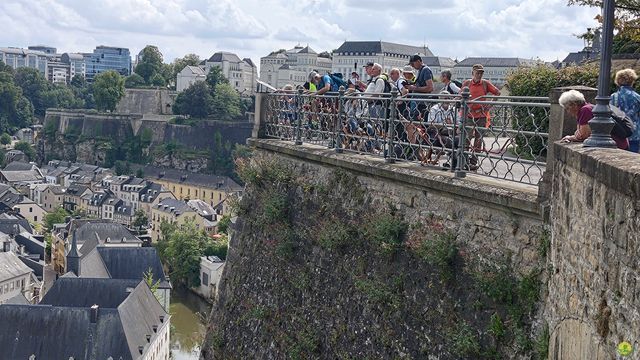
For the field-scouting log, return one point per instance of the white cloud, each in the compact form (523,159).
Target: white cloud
(253,28)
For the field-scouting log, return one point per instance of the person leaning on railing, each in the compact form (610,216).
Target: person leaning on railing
(574,103)
(628,100)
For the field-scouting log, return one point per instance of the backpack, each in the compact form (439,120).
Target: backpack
(337,81)
(458,83)
(624,126)
(387,84)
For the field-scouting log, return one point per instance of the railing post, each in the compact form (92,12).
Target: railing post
(339,135)
(391,127)
(462,142)
(454,148)
(300,115)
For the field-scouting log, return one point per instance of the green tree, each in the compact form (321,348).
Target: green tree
(150,63)
(223,224)
(26,148)
(83,92)
(60,96)
(24,113)
(226,102)
(158,80)
(122,168)
(180,63)
(108,89)
(141,219)
(5,139)
(33,85)
(215,77)
(195,101)
(185,247)
(6,68)
(58,216)
(133,81)
(153,284)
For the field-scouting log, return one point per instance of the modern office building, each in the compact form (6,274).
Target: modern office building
(17,58)
(76,64)
(106,58)
(49,50)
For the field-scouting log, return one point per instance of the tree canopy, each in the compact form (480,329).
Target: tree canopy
(108,89)
(214,98)
(26,148)
(627,24)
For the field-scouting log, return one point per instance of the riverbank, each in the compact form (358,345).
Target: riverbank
(189,313)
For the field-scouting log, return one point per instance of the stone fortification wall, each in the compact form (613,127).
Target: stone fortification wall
(147,101)
(594,292)
(338,256)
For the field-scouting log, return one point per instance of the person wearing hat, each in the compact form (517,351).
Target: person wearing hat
(408,78)
(478,114)
(424,81)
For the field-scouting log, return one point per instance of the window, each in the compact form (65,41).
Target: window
(35,218)
(205,279)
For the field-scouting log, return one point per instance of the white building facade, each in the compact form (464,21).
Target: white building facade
(15,277)
(496,70)
(189,76)
(241,73)
(211,268)
(354,55)
(292,66)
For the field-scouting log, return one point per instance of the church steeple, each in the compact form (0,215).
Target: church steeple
(73,258)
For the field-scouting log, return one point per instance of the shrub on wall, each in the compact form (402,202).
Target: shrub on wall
(539,81)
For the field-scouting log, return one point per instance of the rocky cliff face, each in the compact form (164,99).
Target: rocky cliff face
(327,264)
(95,138)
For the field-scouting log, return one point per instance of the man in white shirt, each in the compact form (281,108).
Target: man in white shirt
(376,86)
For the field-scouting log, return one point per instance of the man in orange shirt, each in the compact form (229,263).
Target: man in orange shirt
(478,114)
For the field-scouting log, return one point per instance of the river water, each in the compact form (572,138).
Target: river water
(188,313)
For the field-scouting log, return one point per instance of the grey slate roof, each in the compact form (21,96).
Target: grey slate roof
(62,328)
(307,50)
(19,166)
(150,192)
(579,57)
(11,199)
(103,229)
(181,176)
(495,62)
(441,61)
(173,206)
(221,56)
(378,47)
(11,266)
(31,245)
(7,226)
(249,61)
(37,329)
(85,292)
(127,263)
(76,189)
(25,175)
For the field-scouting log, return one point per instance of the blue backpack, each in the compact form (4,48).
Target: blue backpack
(337,81)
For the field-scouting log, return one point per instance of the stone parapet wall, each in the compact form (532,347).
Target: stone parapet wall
(594,290)
(491,217)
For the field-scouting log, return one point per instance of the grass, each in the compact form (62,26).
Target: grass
(463,341)
(336,235)
(389,231)
(378,292)
(440,251)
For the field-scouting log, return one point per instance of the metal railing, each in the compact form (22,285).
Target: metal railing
(501,136)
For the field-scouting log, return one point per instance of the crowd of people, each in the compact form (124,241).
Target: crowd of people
(426,124)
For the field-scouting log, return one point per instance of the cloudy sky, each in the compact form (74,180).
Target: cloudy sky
(253,28)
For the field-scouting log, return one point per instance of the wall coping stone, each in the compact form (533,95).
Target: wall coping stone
(483,190)
(617,169)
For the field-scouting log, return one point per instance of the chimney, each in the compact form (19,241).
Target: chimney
(94,313)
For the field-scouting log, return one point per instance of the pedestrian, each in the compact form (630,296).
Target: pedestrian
(478,114)
(424,81)
(628,100)
(449,86)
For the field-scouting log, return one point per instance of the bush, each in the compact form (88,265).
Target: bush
(539,81)
(389,231)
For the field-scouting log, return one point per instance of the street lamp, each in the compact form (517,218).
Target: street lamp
(602,123)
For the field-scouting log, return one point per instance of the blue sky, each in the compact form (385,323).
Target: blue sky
(253,28)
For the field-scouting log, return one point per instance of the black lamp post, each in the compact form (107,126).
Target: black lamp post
(602,123)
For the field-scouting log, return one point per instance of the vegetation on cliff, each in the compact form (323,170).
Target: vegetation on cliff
(319,269)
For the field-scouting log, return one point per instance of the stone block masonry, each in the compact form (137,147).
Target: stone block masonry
(594,289)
